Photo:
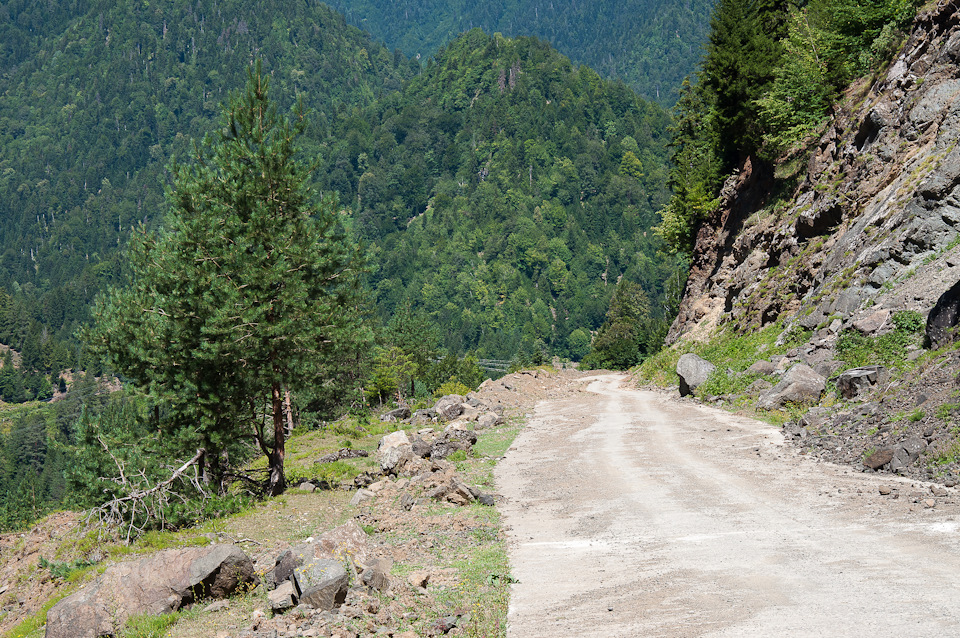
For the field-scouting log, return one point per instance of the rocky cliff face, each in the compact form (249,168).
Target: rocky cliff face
(874,224)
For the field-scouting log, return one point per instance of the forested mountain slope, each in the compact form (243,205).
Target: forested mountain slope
(505,193)
(97,97)
(651,45)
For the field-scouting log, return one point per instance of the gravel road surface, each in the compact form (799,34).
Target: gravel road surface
(631,513)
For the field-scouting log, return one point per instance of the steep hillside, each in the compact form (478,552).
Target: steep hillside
(94,104)
(652,46)
(843,272)
(505,193)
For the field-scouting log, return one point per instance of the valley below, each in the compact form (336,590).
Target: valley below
(634,513)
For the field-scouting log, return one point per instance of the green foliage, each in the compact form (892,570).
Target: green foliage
(625,337)
(452,387)
(248,291)
(889,349)
(149,626)
(801,94)
(909,321)
(769,76)
(916,415)
(68,571)
(500,198)
(651,45)
(393,372)
(739,63)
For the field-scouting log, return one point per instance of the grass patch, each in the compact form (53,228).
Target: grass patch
(149,626)
(889,350)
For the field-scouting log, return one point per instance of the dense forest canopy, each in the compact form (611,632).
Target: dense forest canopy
(505,192)
(651,45)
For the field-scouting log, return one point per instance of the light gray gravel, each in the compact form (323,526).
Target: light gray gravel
(633,514)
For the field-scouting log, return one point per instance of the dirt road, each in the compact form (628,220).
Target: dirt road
(632,514)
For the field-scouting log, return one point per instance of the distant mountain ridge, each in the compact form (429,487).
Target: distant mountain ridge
(650,45)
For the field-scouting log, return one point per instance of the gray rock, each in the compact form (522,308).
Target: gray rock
(343,454)
(420,447)
(943,318)
(158,584)
(878,459)
(852,383)
(375,577)
(399,414)
(424,416)
(763,367)
(283,597)
(361,496)
(488,420)
(321,583)
(907,453)
(799,385)
(393,450)
(449,407)
(693,372)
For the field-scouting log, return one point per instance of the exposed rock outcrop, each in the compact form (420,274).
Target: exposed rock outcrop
(873,225)
(159,584)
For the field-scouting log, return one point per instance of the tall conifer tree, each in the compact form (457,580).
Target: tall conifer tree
(249,290)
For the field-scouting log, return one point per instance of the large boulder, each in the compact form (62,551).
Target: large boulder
(321,583)
(158,584)
(852,383)
(394,449)
(943,318)
(799,385)
(693,372)
(449,407)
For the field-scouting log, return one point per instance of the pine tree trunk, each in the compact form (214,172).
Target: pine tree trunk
(278,482)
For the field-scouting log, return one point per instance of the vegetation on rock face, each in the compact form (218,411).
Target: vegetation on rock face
(770,74)
(652,46)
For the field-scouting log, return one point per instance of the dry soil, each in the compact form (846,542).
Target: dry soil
(634,514)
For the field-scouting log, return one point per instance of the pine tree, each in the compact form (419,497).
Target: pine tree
(248,291)
(739,63)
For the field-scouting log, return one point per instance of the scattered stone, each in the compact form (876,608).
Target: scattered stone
(342,455)
(799,385)
(929,503)
(375,577)
(885,490)
(399,414)
(873,323)
(852,383)
(321,583)
(361,496)
(693,372)
(487,499)
(284,597)
(393,451)
(907,453)
(419,579)
(307,486)
(449,407)
(763,367)
(219,605)
(424,416)
(878,459)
